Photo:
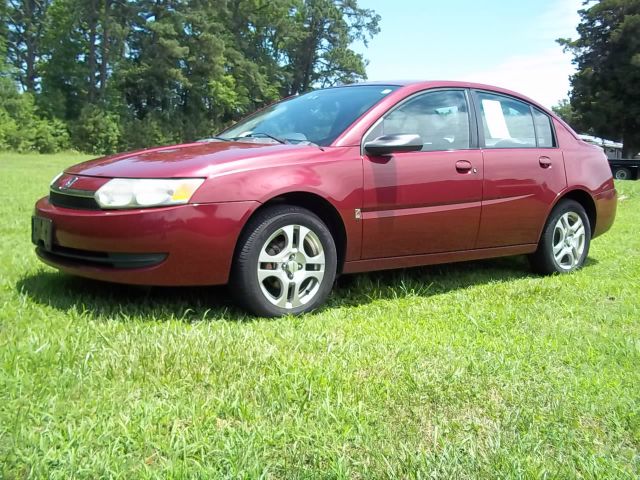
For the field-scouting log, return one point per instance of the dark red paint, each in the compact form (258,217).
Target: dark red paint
(416,208)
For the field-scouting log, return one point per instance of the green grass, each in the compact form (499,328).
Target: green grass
(474,370)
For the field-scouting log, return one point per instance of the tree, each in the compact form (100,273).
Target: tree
(82,45)
(566,112)
(255,50)
(26,22)
(176,57)
(606,87)
(123,74)
(21,127)
(3,37)
(318,49)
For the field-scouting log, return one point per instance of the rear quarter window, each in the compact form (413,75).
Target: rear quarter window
(544,130)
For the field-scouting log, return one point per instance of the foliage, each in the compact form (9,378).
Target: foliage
(566,112)
(96,131)
(606,87)
(25,22)
(471,371)
(175,70)
(21,129)
(319,51)
(151,130)
(51,136)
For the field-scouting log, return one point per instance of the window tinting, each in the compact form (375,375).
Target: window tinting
(441,118)
(507,123)
(318,117)
(543,129)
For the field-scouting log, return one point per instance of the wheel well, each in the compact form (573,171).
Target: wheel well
(584,199)
(323,209)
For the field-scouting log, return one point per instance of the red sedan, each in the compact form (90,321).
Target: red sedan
(341,180)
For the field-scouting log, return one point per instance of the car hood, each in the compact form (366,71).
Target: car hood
(203,159)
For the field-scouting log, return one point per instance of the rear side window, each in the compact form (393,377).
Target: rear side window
(544,131)
(507,123)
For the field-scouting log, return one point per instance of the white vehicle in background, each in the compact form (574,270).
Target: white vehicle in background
(622,168)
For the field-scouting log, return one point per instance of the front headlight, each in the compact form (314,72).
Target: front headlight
(141,193)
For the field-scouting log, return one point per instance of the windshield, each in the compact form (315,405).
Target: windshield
(318,117)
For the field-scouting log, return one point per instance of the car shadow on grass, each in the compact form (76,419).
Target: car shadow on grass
(358,289)
(104,300)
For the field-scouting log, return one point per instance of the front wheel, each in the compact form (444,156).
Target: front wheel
(565,240)
(285,262)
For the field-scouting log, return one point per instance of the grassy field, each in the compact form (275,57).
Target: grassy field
(475,370)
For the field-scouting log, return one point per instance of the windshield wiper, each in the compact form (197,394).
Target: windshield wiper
(263,134)
(211,139)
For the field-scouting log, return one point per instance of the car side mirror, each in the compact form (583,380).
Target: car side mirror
(389,144)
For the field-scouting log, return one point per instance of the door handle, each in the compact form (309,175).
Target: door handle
(463,166)
(545,162)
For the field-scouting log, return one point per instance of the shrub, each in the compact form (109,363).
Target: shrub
(51,136)
(22,130)
(148,132)
(96,131)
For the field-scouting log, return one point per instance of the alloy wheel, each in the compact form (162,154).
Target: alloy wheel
(291,266)
(569,237)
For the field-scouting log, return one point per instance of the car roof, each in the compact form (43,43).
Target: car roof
(416,85)
(435,83)
(424,83)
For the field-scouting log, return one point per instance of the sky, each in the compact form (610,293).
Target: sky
(505,43)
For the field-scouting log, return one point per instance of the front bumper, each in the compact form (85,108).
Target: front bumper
(169,246)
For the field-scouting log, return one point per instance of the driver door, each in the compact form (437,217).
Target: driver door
(427,201)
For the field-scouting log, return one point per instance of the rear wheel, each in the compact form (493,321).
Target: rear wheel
(285,262)
(622,173)
(565,240)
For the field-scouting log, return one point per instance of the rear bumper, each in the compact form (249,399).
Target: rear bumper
(606,206)
(180,245)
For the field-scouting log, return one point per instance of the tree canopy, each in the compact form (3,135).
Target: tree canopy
(605,98)
(104,75)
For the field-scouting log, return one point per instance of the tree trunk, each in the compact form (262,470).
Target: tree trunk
(104,47)
(31,46)
(306,58)
(93,26)
(30,73)
(630,138)
(631,147)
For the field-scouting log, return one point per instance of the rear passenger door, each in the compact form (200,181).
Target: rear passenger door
(523,169)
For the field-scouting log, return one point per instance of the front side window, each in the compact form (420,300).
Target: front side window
(318,117)
(441,118)
(506,122)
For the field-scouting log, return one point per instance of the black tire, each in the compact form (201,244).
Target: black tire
(244,283)
(543,261)
(622,173)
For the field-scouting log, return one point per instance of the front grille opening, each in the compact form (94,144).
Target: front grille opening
(73,201)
